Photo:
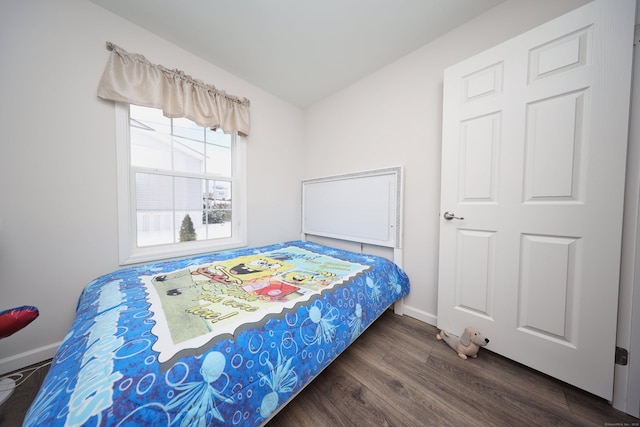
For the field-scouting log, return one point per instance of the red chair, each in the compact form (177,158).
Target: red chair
(11,321)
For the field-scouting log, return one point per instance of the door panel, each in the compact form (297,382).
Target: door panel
(476,260)
(479,168)
(547,294)
(553,146)
(533,162)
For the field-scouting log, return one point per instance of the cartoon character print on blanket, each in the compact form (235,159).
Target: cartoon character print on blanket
(194,305)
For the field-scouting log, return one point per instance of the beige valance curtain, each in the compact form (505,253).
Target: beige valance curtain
(132,79)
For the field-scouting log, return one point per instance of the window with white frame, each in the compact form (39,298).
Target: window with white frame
(181,187)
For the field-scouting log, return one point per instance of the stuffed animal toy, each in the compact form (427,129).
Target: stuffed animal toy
(467,345)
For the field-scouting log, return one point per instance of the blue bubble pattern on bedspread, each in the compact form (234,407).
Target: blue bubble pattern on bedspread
(219,339)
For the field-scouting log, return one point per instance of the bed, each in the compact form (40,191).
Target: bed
(224,338)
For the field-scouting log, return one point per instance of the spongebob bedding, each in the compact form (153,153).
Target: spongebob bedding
(220,339)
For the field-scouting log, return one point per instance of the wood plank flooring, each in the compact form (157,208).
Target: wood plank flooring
(13,411)
(398,374)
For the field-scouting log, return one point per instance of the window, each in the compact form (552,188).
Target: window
(181,187)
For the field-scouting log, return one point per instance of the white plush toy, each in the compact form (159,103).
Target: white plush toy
(467,345)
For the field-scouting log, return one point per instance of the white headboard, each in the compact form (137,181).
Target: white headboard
(364,207)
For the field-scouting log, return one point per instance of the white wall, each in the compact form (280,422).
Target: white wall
(393,117)
(58,226)
(58,216)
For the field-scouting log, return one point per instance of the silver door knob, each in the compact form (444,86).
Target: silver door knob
(448,215)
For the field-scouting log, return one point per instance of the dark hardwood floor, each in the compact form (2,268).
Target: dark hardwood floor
(12,411)
(398,374)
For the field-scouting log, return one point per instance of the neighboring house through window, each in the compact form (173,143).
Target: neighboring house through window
(181,187)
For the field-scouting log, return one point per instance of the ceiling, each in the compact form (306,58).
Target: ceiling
(299,50)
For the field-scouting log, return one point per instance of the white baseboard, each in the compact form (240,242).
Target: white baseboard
(420,315)
(22,360)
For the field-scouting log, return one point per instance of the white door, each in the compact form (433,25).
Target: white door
(533,158)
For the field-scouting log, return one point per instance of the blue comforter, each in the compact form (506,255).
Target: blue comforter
(220,339)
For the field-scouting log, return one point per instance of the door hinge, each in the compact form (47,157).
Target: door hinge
(622,356)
